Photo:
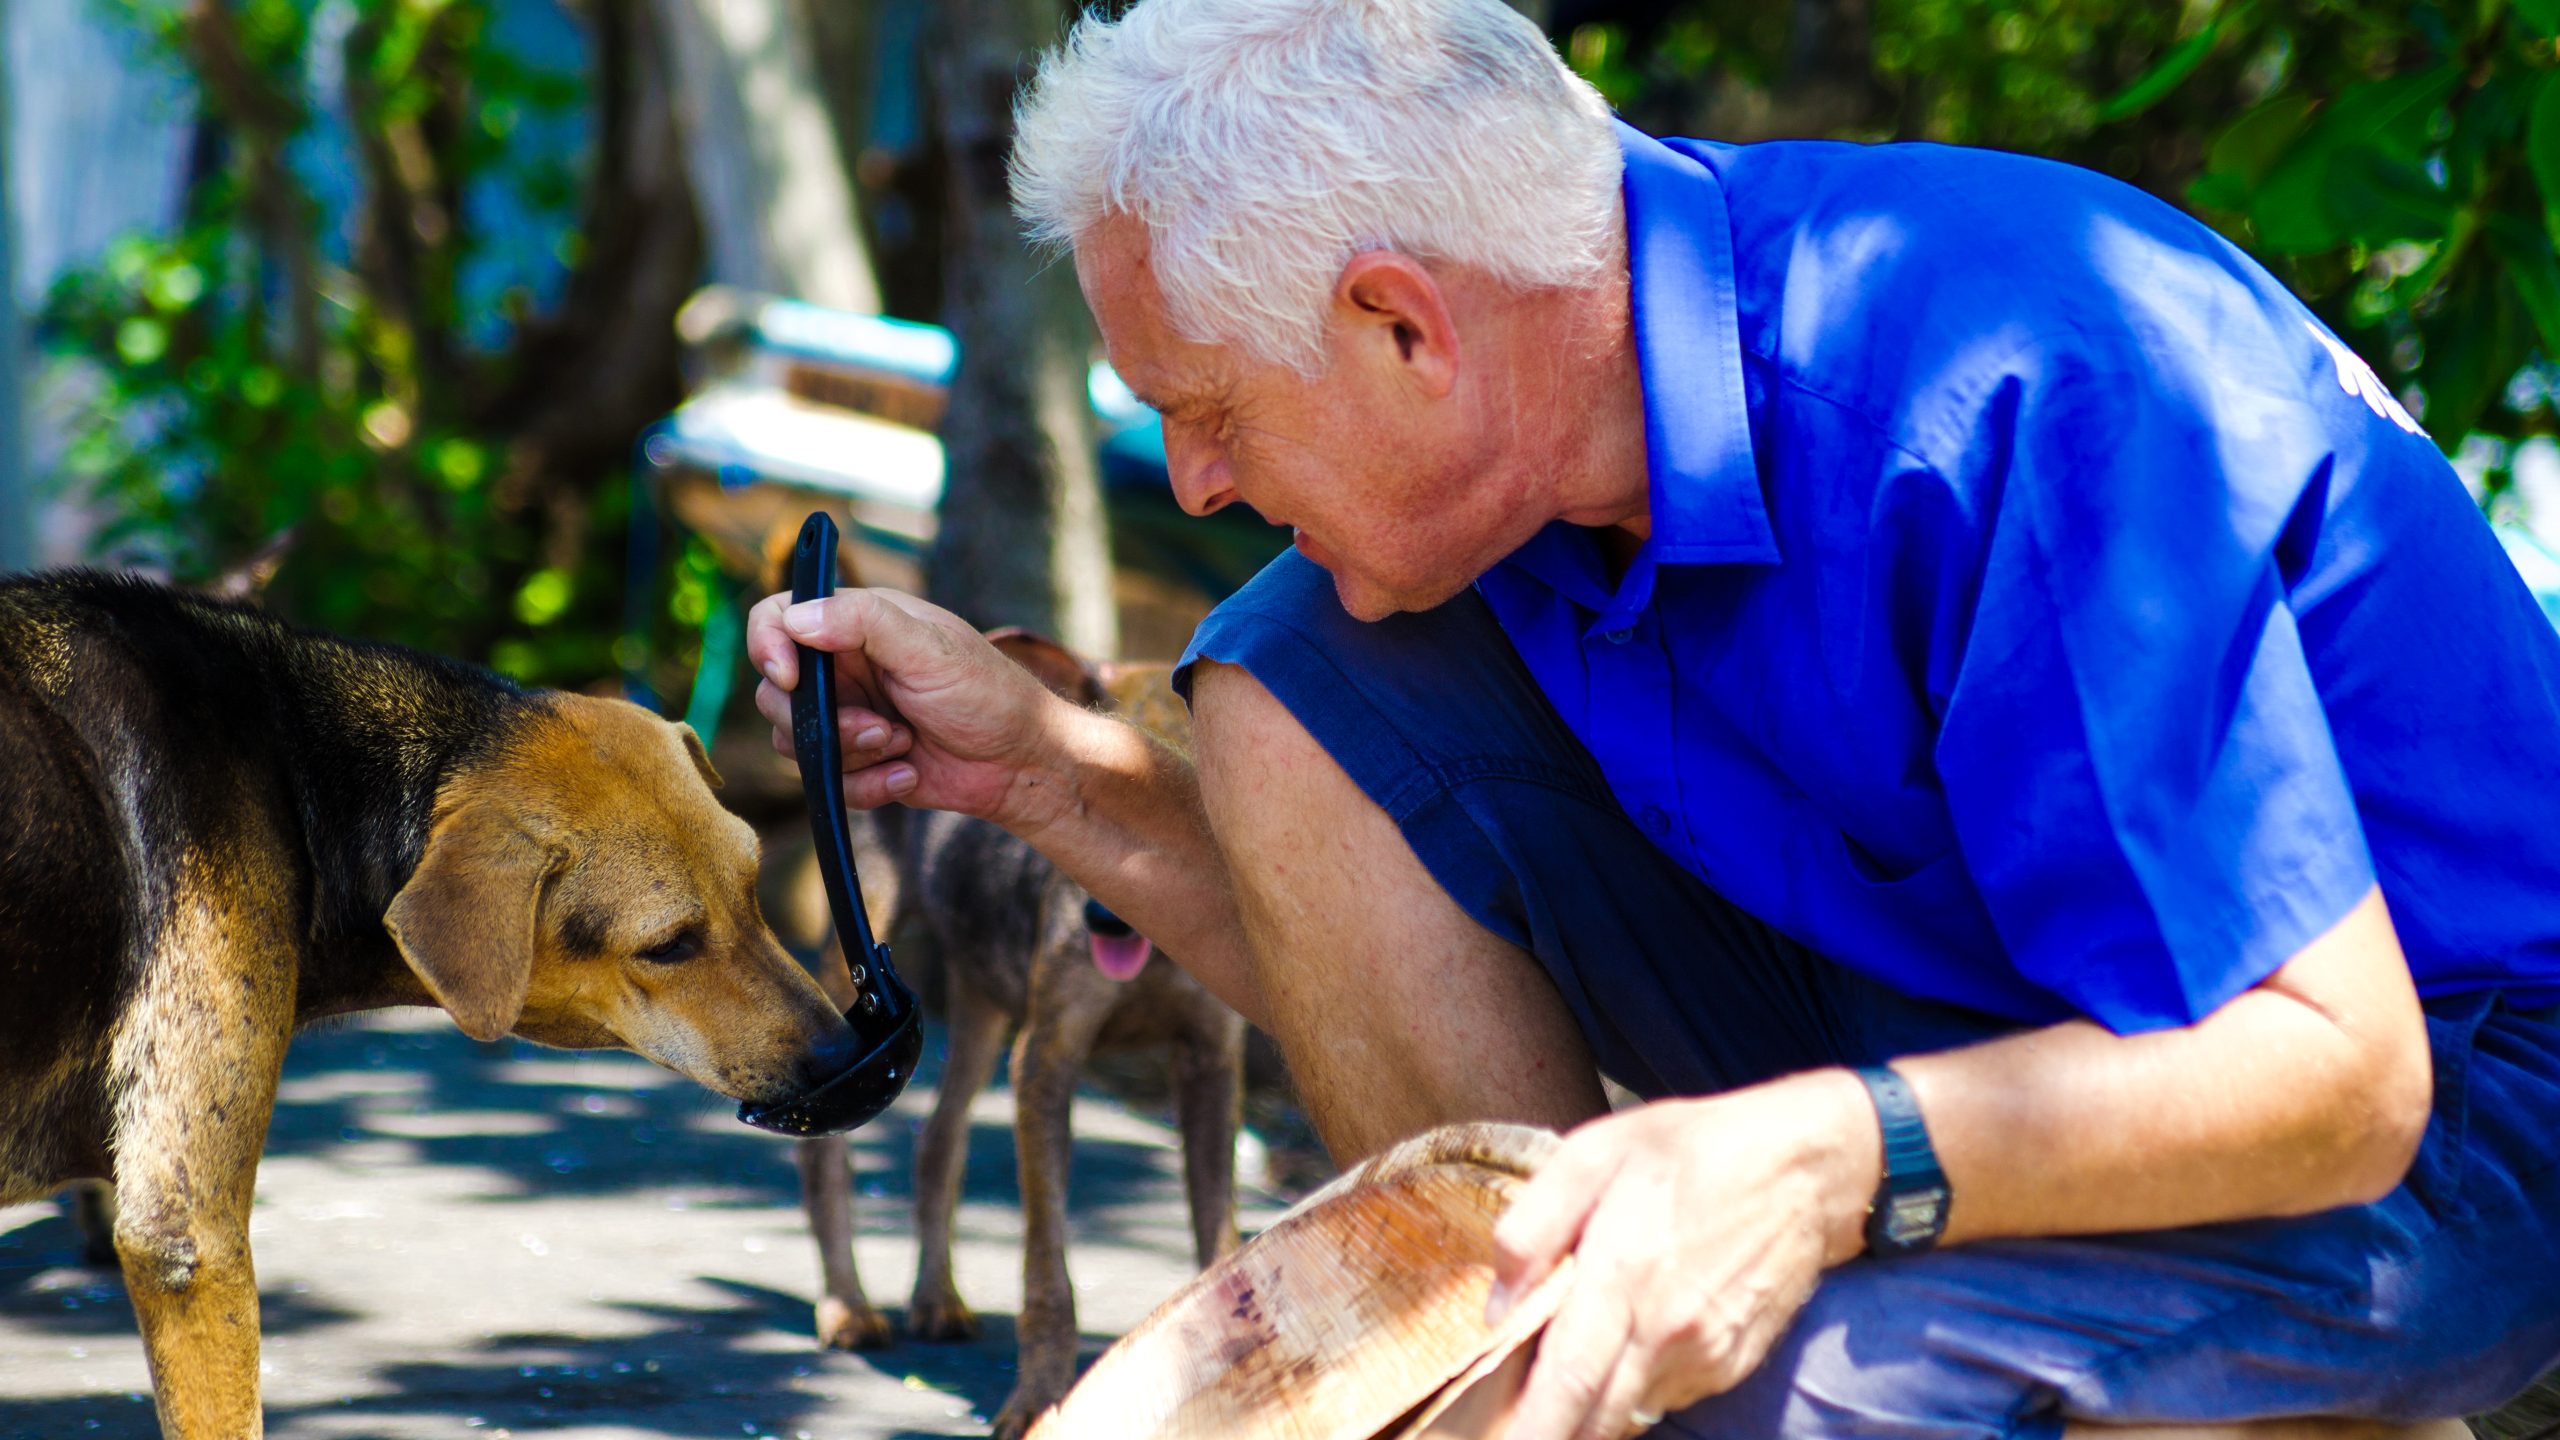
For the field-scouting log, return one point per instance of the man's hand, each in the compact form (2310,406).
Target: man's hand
(930,714)
(1698,1228)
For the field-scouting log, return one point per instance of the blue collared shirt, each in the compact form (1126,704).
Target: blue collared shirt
(2043,612)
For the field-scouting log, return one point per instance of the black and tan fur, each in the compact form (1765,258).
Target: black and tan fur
(216,828)
(1007,929)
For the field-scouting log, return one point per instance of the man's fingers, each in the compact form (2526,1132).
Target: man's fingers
(1578,1354)
(879,785)
(1621,1401)
(869,739)
(1547,1215)
(773,702)
(769,645)
(892,629)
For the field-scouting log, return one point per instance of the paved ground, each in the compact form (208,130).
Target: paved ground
(467,1240)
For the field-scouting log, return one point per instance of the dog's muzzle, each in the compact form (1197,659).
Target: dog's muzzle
(887,1034)
(857,1093)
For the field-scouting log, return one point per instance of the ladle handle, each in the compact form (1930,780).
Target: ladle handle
(880,996)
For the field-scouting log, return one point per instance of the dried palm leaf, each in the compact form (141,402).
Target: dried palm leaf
(1351,1314)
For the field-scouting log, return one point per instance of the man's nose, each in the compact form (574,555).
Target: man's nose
(1202,483)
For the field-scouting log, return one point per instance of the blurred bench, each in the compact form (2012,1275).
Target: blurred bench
(796,407)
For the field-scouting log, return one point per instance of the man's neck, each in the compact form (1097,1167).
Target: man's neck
(1603,481)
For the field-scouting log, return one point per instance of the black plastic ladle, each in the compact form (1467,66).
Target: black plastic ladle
(887,1035)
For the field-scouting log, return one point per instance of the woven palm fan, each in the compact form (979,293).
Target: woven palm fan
(1359,1314)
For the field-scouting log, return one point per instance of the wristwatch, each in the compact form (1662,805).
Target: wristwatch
(1910,1209)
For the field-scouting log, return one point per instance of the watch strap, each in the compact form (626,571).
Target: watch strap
(1910,1208)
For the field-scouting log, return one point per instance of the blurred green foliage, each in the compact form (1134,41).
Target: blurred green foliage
(298,353)
(2397,162)
(285,359)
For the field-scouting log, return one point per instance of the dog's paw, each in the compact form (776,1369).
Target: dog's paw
(940,1318)
(1025,1405)
(843,1326)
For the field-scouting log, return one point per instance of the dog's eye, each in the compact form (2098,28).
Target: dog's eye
(683,945)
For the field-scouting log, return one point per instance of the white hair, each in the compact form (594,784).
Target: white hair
(1264,143)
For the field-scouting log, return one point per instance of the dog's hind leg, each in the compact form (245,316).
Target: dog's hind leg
(846,1319)
(1056,1037)
(1208,1089)
(195,1061)
(935,1311)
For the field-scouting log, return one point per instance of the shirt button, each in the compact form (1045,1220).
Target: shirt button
(1619,636)
(1655,820)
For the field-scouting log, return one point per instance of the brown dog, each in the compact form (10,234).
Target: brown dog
(1010,934)
(215,828)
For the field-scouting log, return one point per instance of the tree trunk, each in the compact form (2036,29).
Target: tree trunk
(1023,539)
(775,192)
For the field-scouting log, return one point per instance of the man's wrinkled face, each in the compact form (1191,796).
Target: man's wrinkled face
(1396,487)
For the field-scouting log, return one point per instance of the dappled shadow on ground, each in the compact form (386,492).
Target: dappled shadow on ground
(550,1123)
(719,1370)
(697,1372)
(42,1279)
(532,1124)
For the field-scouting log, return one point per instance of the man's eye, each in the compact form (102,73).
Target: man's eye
(683,945)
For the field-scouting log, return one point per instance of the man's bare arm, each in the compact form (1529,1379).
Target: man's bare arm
(2309,1091)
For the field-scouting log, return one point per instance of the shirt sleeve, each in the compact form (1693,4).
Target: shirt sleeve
(2143,782)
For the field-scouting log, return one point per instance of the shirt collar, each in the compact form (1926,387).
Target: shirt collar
(1703,484)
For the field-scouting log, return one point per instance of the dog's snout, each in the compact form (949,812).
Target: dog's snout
(1099,919)
(829,1057)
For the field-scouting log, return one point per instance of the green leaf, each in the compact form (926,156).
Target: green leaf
(2474,344)
(2393,114)
(2296,211)
(2257,140)
(2378,198)
(2542,17)
(2542,146)
(2153,85)
(2533,269)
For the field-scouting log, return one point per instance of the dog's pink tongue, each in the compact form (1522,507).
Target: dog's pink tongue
(1120,957)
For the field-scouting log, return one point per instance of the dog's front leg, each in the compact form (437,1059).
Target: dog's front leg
(196,1060)
(846,1319)
(935,1310)
(1056,1037)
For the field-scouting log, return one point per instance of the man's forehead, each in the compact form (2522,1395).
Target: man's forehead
(1120,290)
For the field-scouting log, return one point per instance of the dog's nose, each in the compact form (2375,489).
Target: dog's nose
(1099,919)
(837,1049)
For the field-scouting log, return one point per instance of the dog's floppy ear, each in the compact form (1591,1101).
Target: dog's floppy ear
(465,920)
(701,757)
(1056,666)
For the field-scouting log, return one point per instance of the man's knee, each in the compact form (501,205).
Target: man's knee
(1291,820)
(1384,994)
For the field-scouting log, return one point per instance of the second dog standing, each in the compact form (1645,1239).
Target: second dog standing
(1012,937)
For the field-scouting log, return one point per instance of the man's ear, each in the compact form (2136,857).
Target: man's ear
(465,921)
(701,756)
(1056,666)
(1386,298)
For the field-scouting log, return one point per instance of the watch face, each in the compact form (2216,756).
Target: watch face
(1916,1216)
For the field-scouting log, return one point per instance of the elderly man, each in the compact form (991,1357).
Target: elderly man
(1927,665)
